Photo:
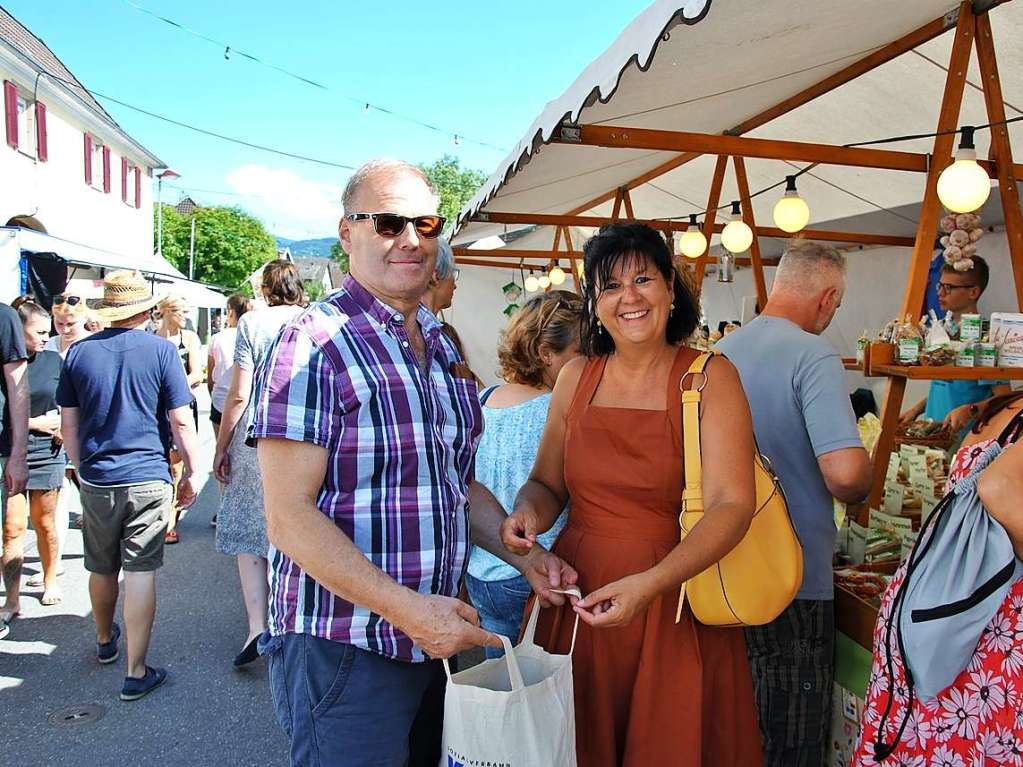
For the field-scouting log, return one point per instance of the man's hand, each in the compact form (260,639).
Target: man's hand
(547,572)
(186,492)
(959,418)
(443,626)
(16,474)
(222,466)
(518,531)
(616,604)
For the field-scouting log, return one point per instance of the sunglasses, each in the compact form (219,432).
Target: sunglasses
(60,298)
(392,225)
(948,287)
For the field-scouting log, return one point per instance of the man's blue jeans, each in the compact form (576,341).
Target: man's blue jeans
(342,706)
(500,605)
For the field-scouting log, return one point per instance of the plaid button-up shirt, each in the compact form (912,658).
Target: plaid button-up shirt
(401,444)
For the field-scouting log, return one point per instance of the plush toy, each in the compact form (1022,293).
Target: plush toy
(962,232)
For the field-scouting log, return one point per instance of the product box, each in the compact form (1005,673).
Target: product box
(971,327)
(1007,333)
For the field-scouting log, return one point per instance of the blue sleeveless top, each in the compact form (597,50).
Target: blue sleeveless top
(504,459)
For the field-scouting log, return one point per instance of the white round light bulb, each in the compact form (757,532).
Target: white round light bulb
(964,186)
(531,284)
(557,276)
(736,236)
(544,281)
(791,213)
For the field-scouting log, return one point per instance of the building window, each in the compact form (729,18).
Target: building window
(131,184)
(25,122)
(26,125)
(97,164)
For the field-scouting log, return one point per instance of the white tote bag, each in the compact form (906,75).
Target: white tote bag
(515,711)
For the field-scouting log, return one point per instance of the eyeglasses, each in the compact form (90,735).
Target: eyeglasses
(392,225)
(60,298)
(948,287)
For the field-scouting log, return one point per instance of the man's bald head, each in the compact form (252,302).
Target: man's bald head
(809,284)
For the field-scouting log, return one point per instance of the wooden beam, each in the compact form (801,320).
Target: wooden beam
(747,215)
(617,209)
(615,137)
(713,200)
(650,175)
(543,219)
(1002,150)
(881,56)
(493,264)
(627,199)
(927,227)
(542,258)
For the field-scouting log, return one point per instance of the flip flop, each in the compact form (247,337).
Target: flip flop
(53,600)
(6,618)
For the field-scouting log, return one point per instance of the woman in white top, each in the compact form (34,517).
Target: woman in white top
(221,359)
(241,526)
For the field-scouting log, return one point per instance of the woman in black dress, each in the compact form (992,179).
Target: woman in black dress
(46,457)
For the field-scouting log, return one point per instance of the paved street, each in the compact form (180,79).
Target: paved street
(206,714)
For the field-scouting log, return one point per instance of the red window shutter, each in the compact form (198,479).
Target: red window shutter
(138,187)
(124,179)
(106,170)
(42,150)
(88,159)
(11,112)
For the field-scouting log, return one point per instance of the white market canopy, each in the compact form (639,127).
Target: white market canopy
(732,67)
(166,278)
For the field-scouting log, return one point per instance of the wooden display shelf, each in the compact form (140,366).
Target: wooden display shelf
(850,363)
(948,373)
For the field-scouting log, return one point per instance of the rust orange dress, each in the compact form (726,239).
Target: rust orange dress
(653,692)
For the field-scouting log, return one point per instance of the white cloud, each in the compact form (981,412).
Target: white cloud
(288,201)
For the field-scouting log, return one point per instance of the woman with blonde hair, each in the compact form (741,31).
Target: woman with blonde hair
(173,315)
(650,688)
(540,338)
(241,526)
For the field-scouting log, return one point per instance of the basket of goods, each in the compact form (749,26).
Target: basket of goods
(924,432)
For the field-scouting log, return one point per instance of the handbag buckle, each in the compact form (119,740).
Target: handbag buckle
(682,381)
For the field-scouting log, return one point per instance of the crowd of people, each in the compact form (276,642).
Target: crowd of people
(387,511)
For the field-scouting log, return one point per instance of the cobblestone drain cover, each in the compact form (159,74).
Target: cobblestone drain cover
(84,713)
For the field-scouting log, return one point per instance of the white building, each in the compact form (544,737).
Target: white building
(67,168)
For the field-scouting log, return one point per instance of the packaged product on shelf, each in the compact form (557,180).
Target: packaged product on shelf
(861,347)
(966,354)
(909,339)
(987,354)
(1007,333)
(970,327)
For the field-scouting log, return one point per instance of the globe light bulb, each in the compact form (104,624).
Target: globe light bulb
(791,213)
(692,243)
(531,284)
(544,281)
(964,186)
(557,275)
(736,236)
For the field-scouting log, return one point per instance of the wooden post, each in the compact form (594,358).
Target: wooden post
(627,199)
(617,209)
(747,215)
(713,200)
(572,262)
(930,213)
(1001,150)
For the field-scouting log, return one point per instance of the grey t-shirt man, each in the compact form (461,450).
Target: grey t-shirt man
(797,393)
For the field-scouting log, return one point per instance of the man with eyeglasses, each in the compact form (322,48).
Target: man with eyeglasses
(368,421)
(440,291)
(956,403)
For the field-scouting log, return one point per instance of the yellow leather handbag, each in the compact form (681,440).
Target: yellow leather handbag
(754,582)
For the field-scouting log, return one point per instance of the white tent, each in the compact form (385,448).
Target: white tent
(715,66)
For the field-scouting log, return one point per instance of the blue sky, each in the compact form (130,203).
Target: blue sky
(484,70)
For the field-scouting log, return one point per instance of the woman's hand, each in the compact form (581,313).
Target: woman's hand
(222,466)
(547,574)
(519,530)
(617,603)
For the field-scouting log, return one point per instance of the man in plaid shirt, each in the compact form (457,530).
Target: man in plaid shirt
(368,421)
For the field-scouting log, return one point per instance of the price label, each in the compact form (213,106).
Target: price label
(927,504)
(891,524)
(907,540)
(894,495)
(857,542)
(894,461)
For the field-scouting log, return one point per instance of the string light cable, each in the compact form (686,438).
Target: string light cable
(229,50)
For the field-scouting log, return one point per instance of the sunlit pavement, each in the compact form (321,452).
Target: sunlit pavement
(58,706)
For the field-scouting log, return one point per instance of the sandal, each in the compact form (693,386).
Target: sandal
(171,537)
(36,581)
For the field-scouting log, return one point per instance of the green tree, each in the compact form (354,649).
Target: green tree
(338,254)
(314,290)
(230,244)
(454,184)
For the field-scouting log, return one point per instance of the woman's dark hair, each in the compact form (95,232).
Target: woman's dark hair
(238,304)
(613,245)
(994,406)
(281,284)
(28,309)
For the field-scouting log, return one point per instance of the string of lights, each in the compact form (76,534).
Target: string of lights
(230,50)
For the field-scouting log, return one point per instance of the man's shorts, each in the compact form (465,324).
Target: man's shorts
(123,527)
(215,415)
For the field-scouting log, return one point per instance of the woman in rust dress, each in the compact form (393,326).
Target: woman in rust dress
(648,690)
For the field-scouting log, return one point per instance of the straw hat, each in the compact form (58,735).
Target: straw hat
(125,294)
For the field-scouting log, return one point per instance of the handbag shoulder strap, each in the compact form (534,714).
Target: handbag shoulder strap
(692,493)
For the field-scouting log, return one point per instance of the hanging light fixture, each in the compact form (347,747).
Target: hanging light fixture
(692,243)
(736,236)
(964,186)
(531,284)
(544,281)
(557,275)
(791,213)
(726,267)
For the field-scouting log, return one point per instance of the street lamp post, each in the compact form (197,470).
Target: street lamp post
(168,173)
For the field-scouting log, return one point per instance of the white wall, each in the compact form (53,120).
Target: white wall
(876,282)
(55,192)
